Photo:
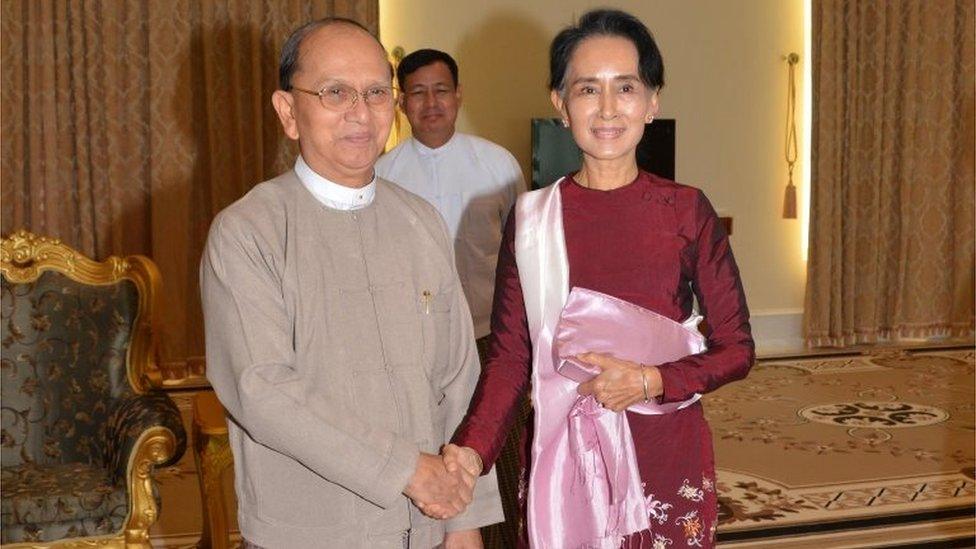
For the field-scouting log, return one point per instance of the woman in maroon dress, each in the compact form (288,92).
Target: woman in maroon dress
(641,238)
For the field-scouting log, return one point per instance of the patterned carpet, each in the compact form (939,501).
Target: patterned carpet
(858,451)
(873,450)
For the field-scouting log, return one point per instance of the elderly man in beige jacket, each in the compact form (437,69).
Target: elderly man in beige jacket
(338,336)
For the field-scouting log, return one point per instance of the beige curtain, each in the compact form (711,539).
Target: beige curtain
(126,125)
(891,237)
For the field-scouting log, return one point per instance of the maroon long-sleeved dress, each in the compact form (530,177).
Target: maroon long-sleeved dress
(655,243)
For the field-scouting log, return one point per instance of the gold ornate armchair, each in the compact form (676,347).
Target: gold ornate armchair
(82,426)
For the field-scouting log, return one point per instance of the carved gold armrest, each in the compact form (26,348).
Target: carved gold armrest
(130,418)
(156,446)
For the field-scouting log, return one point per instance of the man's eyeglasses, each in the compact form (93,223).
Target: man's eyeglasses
(340,97)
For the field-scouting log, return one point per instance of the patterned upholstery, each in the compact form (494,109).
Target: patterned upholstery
(64,356)
(70,416)
(43,503)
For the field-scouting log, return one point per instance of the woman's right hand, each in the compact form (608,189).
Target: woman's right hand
(463,457)
(620,383)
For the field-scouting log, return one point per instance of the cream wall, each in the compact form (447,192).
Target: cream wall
(725,85)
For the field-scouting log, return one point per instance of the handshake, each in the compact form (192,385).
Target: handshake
(442,486)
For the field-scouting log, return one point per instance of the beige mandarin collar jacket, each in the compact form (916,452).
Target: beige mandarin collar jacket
(341,345)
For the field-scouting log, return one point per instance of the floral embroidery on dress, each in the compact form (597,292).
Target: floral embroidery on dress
(660,542)
(658,509)
(689,492)
(708,484)
(694,531)
(523,487)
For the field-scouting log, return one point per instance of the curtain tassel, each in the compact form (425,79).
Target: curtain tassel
(789,201)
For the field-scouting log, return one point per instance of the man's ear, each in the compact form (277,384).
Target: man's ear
(284,105)
(458,94)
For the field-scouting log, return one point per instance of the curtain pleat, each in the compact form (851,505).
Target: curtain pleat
(892,202)
(126,125)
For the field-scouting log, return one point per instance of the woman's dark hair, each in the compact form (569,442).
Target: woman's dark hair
(288,63)
(605,22)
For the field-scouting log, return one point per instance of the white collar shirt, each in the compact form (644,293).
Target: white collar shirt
(332,194)
(473,183)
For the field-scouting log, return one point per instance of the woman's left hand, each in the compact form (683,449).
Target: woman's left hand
(619,384)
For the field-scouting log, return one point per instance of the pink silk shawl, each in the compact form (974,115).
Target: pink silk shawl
(584,489)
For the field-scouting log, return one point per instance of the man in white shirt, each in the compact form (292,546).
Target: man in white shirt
(471,181)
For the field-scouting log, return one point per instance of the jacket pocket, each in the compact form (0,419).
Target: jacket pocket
(435,308)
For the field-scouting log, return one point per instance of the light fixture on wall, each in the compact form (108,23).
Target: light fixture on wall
(789,200)
(397,133)
(397,55)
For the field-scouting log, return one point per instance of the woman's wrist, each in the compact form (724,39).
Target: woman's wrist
(655,383)
(636,384)
(643,371)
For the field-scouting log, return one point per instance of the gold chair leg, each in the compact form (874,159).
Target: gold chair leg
(213,455)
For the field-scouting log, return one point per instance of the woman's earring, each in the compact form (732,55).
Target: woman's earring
(565,123)
(650,119)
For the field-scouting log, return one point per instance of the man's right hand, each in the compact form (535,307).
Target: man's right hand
(438,493)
